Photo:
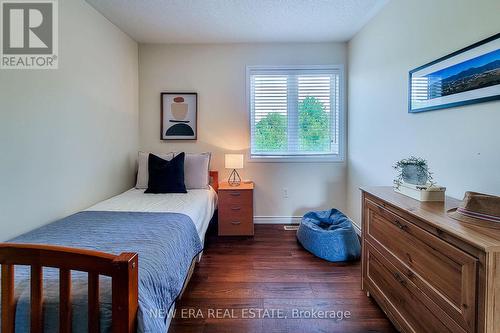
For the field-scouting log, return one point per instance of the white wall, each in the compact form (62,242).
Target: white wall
(217,73)
(69,137)
(462,144)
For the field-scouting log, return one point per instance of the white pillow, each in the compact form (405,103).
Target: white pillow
(196,170)
(143,171)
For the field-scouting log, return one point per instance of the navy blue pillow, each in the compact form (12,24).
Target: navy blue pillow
(166,176)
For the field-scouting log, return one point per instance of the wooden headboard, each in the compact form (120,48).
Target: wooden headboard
(214,180)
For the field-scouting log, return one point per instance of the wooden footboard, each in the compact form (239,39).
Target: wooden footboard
(123,270)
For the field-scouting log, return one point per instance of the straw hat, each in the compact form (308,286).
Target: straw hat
(479,209)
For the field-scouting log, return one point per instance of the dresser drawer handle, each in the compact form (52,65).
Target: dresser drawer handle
(236,208)
(401,226)
(235,194)
(235,222)
(399,278)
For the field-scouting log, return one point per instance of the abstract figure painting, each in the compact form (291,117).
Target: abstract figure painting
(179,116)
(470,75)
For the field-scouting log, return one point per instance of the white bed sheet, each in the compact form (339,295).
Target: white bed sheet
(198,204)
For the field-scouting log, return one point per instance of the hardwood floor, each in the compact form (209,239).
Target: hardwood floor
(273,274)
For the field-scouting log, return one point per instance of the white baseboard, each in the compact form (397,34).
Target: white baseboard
(357,229)
(288,220)
(277,219)
(356,226)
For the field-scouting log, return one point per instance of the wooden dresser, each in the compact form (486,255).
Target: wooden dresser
(427,271)
(236,209)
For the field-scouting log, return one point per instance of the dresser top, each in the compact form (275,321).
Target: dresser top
(434,213)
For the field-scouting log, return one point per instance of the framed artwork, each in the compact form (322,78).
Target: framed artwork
(179,116)
(467,76)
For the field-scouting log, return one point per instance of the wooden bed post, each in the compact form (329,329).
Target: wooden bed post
(125,293)
(8,302)
(214,180)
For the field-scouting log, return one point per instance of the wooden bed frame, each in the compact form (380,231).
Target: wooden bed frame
(122,268)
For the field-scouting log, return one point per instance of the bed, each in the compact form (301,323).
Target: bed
(117,266)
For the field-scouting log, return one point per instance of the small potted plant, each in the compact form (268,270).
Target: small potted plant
(413,170)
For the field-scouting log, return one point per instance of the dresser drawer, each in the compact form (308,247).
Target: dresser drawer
(402,299)
(444,273)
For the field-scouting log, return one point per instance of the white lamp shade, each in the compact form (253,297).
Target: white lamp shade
(234,161)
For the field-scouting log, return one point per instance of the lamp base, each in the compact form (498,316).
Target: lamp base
(234,178)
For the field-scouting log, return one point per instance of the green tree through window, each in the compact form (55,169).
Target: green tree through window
(314,125)
(270,133)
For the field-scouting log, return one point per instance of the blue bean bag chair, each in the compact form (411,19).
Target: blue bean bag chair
(329,235)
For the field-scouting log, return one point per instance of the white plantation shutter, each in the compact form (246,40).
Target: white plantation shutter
(295,112)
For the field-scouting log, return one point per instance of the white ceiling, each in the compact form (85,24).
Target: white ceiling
(238,21)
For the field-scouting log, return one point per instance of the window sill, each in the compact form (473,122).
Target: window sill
(296,159)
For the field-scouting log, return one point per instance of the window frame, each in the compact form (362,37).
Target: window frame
(340,157)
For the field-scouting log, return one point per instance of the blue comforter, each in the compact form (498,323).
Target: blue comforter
(166,244)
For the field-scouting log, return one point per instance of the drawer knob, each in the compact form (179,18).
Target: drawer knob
(236,208)
(235,222)
(235,194)
(401,225)
(399,278)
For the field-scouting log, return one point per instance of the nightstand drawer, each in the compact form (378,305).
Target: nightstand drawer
(236,209)
(236,225)
(236,197)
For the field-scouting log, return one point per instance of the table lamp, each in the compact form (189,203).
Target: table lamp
(234,161)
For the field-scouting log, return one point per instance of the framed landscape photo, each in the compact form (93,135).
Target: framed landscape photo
(179,116)
(470,75)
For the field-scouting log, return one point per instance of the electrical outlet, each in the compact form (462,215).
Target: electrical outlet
(285,192)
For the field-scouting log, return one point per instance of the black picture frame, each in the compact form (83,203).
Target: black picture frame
(185,125)
(464,94)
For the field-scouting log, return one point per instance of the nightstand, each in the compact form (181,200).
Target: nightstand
(236,209)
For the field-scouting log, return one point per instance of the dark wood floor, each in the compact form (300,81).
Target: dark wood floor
(272,272)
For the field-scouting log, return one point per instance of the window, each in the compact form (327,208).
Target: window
(296,113)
